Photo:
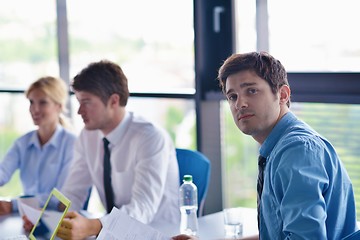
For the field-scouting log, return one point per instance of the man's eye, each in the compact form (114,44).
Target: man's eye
(231,97)
(252,90)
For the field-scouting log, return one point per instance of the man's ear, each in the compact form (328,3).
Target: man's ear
(284,94)
(114,100)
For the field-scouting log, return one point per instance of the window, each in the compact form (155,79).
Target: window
(315,36)
(154,47)
(28,49)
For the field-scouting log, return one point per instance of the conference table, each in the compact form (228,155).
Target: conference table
(211,226)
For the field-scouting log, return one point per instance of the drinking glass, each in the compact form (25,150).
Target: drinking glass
(233,223)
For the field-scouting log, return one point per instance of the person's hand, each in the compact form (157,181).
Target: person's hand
(5,207)
(27,225)
(75,227)
(184,237)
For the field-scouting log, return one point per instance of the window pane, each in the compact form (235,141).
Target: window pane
(28,42)
(177,116)
(245,16)
(315,35)
(153,46)
(339,123)
(309,36)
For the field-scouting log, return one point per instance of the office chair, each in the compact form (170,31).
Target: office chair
(198,165)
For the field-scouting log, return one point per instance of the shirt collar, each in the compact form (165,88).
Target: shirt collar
(276,133)
(55,138)
(117,133)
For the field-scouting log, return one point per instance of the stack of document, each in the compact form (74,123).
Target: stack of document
(119,225)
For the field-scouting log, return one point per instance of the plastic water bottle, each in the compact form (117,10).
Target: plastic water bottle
(188,207)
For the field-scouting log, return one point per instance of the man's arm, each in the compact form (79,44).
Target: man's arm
(302,214)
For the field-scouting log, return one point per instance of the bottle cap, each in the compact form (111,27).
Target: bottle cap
(187,178)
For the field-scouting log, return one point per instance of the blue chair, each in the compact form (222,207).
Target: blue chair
(198,165)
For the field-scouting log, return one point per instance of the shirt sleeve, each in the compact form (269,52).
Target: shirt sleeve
(10,163)
(300,179)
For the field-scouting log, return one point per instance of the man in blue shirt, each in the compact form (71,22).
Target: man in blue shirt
(306,193)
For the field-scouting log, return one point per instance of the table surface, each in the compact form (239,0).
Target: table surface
(210,226)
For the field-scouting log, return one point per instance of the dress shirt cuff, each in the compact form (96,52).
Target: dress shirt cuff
(103,220)
(14,205)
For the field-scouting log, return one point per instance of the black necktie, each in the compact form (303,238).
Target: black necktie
(109,195)
(260,183)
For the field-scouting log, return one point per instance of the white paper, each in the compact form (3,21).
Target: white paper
(29,201)
(31,213)
(119,225)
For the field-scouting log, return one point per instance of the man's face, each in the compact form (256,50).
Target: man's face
(92,110)
(254,107)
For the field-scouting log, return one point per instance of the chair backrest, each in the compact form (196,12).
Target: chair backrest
(198,165)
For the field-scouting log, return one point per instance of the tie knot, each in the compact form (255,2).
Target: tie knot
(261,161)
(106,142)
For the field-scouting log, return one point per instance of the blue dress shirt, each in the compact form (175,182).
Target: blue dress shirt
(41,168)
(307,192)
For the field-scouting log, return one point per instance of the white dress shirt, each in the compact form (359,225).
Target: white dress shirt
(145,175)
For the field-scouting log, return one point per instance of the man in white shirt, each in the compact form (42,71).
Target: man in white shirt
(144,170)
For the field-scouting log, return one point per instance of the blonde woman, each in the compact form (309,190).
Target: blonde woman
(43,155)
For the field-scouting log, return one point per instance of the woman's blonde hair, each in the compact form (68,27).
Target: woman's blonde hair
(56,89)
